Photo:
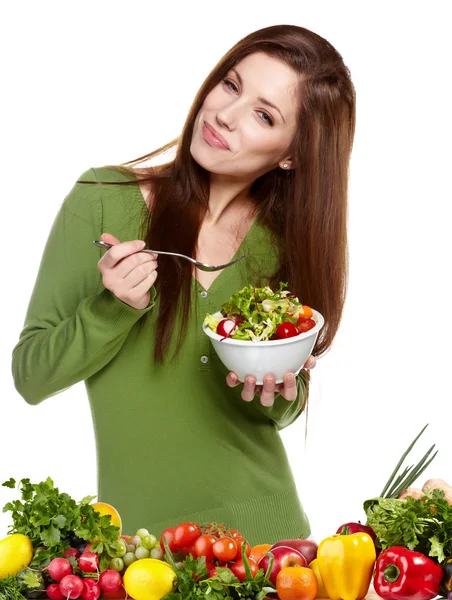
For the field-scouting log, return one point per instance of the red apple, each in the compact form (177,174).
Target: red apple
(357,528)
(283,557)
(308,548)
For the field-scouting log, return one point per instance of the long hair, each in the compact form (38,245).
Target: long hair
(305,207)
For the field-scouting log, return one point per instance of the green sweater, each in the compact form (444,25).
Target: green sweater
(174,443)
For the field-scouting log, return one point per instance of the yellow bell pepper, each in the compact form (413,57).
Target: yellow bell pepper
(321,591)
(346,564)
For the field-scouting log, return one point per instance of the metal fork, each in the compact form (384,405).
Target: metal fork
(200,265)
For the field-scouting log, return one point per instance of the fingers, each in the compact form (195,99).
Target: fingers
(249,391)
(311,362)
(268,391)
(289,388)
(232,379)
(119,251)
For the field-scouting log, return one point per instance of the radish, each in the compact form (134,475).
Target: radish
(91,590)
(53,592)
(71,587)
(110,581)
(72,552)
(89,562)
(59,568)
(226,327)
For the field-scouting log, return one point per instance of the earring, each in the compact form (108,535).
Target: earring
(285,165)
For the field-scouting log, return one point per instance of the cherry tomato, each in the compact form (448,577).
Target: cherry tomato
(239,541)
(203,546)
(234,533)
(169,535)
(304,324)
(226,327)
(286,330)
(238,568)
(307,312)
(225,549)
(186,534)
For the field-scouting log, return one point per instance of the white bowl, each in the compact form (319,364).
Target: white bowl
(274,357)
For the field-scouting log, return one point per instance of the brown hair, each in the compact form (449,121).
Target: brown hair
(305,207)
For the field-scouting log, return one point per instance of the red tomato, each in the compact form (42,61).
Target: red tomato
(304,324)
(186,534)
(225,549)
(203,546)
(226,327)
(239,541)
(169,535)
(286,330)
(238,568)
(234,533)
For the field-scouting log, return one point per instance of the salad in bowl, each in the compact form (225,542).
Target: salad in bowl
(259,331)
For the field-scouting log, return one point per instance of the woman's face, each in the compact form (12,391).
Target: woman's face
(254,137)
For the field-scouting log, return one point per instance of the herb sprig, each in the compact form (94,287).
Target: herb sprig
(47,516)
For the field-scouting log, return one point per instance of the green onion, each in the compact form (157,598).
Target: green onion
(394,486)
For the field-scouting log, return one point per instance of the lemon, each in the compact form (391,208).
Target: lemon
(149,579)
(16,551)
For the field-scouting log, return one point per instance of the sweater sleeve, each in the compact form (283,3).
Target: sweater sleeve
(284,412)
(73,325)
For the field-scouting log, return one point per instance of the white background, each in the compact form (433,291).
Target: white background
(104,82)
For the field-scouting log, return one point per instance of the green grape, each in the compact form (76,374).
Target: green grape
(154,541)
(157,553)
(142,532)
(142,552)
(117,564)
(135,540)
(129,558)
(121,548)
(146,541)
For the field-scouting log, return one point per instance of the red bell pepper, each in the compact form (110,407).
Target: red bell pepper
(402,574)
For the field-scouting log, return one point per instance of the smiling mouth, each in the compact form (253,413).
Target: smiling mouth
(213,138)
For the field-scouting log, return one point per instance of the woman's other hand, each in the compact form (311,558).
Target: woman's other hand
(288,389)
(128,273)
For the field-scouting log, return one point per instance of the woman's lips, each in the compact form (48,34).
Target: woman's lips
(213,138)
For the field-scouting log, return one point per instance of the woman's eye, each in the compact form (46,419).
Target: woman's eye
(228,83)
(269,120)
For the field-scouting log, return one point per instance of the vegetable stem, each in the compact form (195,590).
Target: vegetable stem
(418,469)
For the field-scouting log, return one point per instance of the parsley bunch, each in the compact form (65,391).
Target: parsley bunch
(424,525)
(194,583)
(47,516)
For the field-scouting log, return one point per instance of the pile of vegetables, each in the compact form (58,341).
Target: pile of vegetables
(68,550)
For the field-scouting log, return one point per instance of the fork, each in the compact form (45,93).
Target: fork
(201,266)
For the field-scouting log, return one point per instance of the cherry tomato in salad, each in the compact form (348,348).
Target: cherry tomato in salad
(307,312)
(203,546)
(225,549)
(286,330)
(186,534)
(238,568)
(304,324)
(226,327)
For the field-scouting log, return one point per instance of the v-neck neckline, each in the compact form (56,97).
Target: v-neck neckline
(225,273)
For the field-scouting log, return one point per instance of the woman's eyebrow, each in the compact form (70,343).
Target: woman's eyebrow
(263,100)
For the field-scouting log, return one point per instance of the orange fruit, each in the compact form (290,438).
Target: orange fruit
(107,509)
(296,583)
(257,552)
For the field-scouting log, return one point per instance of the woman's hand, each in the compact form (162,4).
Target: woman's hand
(288,389)
(128,273)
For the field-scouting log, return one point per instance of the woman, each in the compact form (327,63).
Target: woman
(261,168)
